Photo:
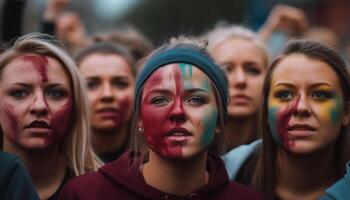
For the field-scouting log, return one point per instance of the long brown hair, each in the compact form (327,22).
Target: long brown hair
(264,178)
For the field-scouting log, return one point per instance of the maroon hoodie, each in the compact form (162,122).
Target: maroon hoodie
(117,180)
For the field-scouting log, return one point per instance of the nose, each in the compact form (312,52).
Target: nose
(39,106)
(302,107)
(239,78)
(106,93)
(177,113)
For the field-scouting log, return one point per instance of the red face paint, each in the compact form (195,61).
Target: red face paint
(60,122)
(40,63)
(283,118)
(158,121)
(12,120)
(124,106)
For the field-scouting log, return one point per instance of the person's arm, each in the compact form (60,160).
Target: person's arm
(17,183)
(288,19)
(53,9)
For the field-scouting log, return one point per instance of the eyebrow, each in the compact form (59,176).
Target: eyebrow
(312,85)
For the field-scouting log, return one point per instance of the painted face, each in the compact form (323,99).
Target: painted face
(110,85)
(178,111)
(244,64)
(305,104)
(36,101)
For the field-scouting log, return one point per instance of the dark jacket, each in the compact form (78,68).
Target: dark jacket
(15,183)
(118,180)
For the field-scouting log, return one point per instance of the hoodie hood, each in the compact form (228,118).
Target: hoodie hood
(125,173)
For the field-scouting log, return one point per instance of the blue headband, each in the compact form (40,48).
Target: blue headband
(189,56)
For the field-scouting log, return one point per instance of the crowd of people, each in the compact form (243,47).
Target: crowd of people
(215,116)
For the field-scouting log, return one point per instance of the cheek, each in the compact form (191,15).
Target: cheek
(9,121)
(60,120)
(331,112)
(208,125)
(272,121)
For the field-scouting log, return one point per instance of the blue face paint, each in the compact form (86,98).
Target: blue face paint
(272,121)
(210,122)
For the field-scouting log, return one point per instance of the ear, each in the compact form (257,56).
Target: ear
(346,118)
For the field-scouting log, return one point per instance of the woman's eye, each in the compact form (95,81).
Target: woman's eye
(160,101)
(252,69)
(322,95)
(92,84)
(284,95)
(56,94)
(120,84)
(19,93)
(196,100)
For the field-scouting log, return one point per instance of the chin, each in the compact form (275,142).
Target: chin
(241,112)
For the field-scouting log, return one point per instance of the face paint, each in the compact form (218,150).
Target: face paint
(279,120)
(60,121)
(156,132)
(40,63)
(177,112)
(12,121)
(210,121)
(31,101)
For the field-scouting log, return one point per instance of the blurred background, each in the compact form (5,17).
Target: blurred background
(159,19)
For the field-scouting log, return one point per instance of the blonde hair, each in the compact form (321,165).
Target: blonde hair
(76,146)
(222,33)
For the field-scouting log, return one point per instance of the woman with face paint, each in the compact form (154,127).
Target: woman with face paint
(244,57)
(109,73)
(43,113)
(305,116)
(181,98)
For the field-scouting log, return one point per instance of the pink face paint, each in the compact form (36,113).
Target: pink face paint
(158,121)
(40,63)
(283,117)
(60,122)
(121,118)
(12,120)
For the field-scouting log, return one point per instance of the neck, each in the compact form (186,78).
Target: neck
(179,177)
(304,176)
(46,167)
(240,131)
(109,141)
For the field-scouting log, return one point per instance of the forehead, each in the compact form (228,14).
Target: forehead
(105,64)
(24,69)
(300,69)
(182,71)
(238,48)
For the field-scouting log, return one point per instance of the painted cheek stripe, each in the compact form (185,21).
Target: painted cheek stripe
(283,118)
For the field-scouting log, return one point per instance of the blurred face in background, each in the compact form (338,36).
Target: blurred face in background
(246,68)
(110,83)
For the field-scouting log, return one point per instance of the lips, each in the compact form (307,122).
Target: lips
(239,99)
(301,130)
(38,124)
(178,131)
(108,109)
